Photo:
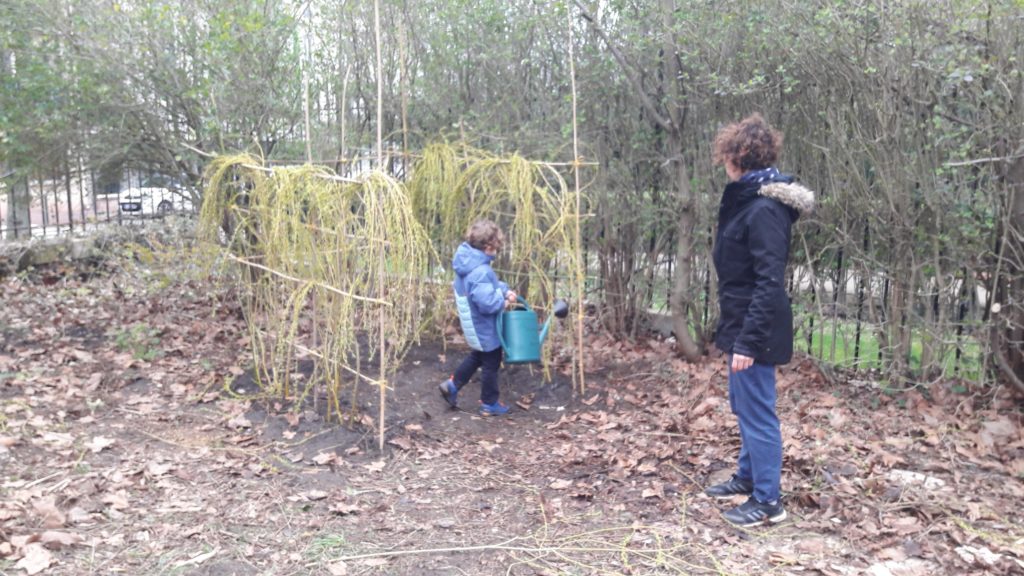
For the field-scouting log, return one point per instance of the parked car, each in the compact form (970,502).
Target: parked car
(156,196)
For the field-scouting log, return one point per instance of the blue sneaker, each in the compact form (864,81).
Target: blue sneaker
(449,392)
(496,409)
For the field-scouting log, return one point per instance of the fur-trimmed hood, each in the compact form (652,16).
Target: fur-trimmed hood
(793,195)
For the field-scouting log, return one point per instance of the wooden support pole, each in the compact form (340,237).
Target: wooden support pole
(577,232)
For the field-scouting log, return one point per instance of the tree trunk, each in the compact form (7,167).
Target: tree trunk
(682,298)
(1007,344)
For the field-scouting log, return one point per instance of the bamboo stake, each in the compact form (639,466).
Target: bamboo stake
(382,264)
(404,87)
(343,112)
(380,86)
(305,103)
(578,248)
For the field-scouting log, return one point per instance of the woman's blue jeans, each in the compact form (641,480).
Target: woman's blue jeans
(752,399)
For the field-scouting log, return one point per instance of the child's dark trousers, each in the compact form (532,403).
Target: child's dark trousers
(491,362)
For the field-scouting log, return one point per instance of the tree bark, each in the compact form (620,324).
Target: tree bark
(681,301)
(1009,349)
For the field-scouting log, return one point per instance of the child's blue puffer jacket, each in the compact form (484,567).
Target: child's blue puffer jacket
(479,296)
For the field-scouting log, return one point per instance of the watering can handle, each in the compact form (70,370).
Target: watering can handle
(501,332)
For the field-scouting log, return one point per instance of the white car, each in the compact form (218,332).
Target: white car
(157,196)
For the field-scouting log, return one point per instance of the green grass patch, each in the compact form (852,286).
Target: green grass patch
(328,545)
(141,340)
(835,341)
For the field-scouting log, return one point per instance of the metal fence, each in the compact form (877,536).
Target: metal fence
(80,200)
(849,313)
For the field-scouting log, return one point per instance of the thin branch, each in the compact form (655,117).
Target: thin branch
(984,160)
(629,69)
(332,177)
(314,283)
(331,361)
(506,545)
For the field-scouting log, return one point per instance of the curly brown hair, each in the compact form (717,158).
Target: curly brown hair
(484,233)
(751,144)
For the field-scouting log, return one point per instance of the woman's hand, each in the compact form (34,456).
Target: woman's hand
(510,297)
(741,362)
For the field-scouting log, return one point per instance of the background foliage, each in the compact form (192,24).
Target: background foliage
(906,118)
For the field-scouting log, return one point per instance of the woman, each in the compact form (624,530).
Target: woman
(755,326)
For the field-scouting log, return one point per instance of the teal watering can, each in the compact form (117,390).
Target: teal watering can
(519,334)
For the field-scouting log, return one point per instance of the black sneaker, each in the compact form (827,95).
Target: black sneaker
(734,487)
(754,513)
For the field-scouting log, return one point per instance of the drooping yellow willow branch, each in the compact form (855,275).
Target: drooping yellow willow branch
(373,255)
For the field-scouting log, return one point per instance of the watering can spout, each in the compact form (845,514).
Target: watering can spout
(559,310)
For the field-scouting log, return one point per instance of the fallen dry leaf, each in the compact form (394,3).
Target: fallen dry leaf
(239,421)
(116,501)
(403,442)
(58,440)
(780,557)
(198,559)
(50,515)
(324,458)
(982,555)
(36,559)
(158,469)
(99,443)
(55,539)
(655,491)
(344,508)
(560,484)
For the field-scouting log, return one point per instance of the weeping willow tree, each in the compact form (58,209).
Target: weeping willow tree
(454,184)
(342,270)
(307,246)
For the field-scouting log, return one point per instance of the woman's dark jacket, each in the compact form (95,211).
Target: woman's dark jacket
(750,254)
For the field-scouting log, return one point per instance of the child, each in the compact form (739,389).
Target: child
(480,297)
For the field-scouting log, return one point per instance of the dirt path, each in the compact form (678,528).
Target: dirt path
(130,443)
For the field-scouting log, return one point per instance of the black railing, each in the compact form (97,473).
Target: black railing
(77,201)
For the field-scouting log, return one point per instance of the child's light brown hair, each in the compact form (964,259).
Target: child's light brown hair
(484,233)
(751,144)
